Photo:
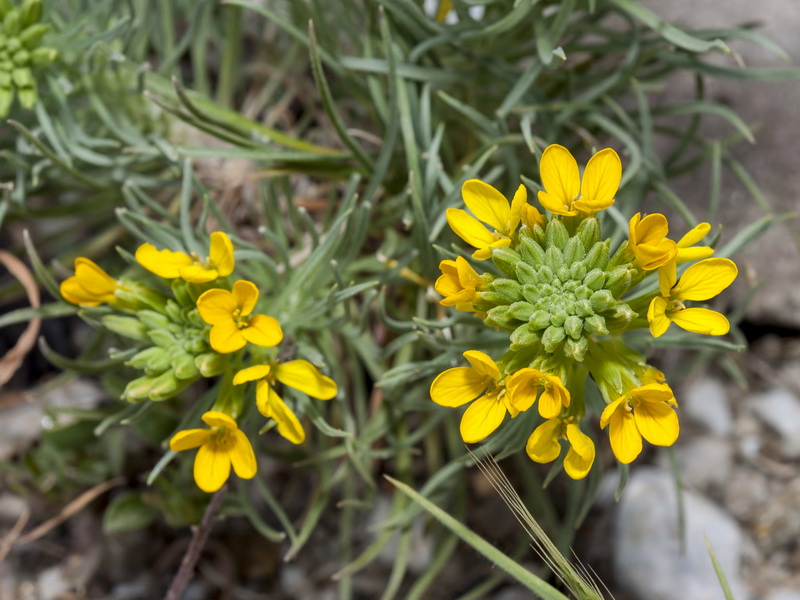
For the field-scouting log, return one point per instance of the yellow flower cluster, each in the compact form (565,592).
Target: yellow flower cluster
(225,317)
(562,297)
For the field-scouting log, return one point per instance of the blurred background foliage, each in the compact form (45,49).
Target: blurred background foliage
(328,142)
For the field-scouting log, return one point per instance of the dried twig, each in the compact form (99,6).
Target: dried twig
(13,358)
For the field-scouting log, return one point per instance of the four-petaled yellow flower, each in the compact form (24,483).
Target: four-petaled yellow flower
(524,385)
(701,281)
(171,265)
(647,239)
(491,207)
(232,324)
(457,283)
(564,192)
(298,374)
(644,412)
(543,446)
(90,286)
(687,251)
(221,446)
(480,382)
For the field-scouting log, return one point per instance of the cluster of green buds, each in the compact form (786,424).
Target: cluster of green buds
(20,51)
(200,325)
(566,299)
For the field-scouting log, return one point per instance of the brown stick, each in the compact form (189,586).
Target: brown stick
(199,538)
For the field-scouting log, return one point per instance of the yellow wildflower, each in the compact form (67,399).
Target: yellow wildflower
(479,384)
(298,374)
(524,385)
(644,412)
(647,239)
(232,324)
(171,265)
(530,217)
(543,446)
(491,207)
(701,281)
(221,446)
(687,251)
(90,286)
(457,283)
(564,192)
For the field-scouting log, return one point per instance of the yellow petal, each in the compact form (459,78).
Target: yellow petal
(245,294)
(212,467)
(706,279)
(94,279)
(650,230)
(555,205)
(549,404)
(531,217)
(221,253)
(467,276)
(652,392)
(580,457)
(302,375)
(542,446)
(458,386)
(448,283)
(242,456)
(468,228)
(667,276)
(214,418)
(701,320)
(487,203)
(272,406)
(74,293)
(226,338)
(610,409)
(626,441)
(522,388)
(482,363)
(693,253)
(694,235)
(188,439)
(263,331)
(600,181)
(481,418)
(656,315)
(560,179)
(216,306)
(657,422)
(163,263)
(251,374)
(461,298)
(517,203)
(197,274)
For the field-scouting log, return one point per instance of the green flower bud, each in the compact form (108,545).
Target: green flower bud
(499,317)
(510,290)
(152,360)
(546,274)
(138,389)
(594,279)
(556,234)
(174,311)
(21,57)
(153,320)
(621,316)
(602,300)
(210,364)
(577,271)
(540,319)
(573,326)
(22,77)
(622,256)
(523,337)
(495,298)
(506,260)
(12,45)
(6,98)
(27,97)
(582,292)
(554,258)
(184,366)
(619,280)
(559,316)
(5,79)
(532,253)
(595,325)
(166,386)
(576,349)
(574,252)
(552,338)
(521,311)
(597,257)
(31,37)
(588,232)
(583,308)
(526,274)
(162,337)
(195,344)
(563,275)
(31,12)
(531,292)
(43,56)
(11,22)
(5,6)
(128,327)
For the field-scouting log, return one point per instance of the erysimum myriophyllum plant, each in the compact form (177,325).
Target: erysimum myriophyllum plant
(566,300)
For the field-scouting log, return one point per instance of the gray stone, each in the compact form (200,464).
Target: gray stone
(780,409)
(746,493)
(783,594)
(705,461)
(20,426)
(706,402)
(649,560)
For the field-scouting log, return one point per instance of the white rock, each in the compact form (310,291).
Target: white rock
(649,560)
(706,402)
(783,594)
(705,461)
(780,409)
(20,426)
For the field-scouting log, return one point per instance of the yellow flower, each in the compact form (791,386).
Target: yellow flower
(644,412)
(90,286)
(491,207)
(221,446)
(524,385)
(457,283)
(479,382)
(687,251)
(171,265)
(232,325)
(543,446)
(701,281)
(647,239)
(564,192)
(298,374)
(530,217)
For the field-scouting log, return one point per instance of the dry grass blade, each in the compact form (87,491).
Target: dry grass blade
(11,361)
(13,535)
(576,579)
